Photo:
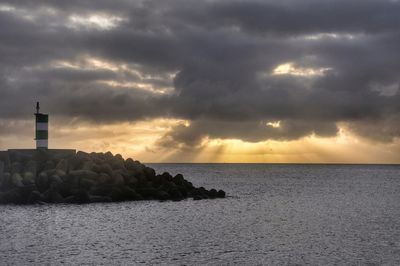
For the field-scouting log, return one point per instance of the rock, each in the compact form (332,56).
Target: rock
(1,172)
(94,199)
(134,166)
(105,168)
(103,178)
(28,178)
(199,193)
(148,192)
(149,172)
(197,197)
(117,195)
(60,173)
(7,182)
(31,166)
(117,178)
(49,165)
(129,194)
(56,183)
(86,183)
(82,156)
(167,186)
(35,197)
(16,167)
(221,194)
(71,199)
(101,190)
(82,196)
(11,196)
(108,156)
(125,173)
(17,180)
(131,181)
(42,181)
(79,174)
(212,193)
(175,194)
(52,196)
(62,165)
(166,176)
(117,162)
(178,180)
(162,195)
(88,165)
(5,159)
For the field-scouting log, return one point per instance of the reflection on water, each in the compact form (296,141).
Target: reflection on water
(278,214)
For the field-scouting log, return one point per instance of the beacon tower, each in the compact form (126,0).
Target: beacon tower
(42,129)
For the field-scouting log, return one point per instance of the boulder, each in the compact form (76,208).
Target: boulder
(148,192)
(99,190)
(7,182)
(31,166)
(62,165)
(52,196)
(117,178)
(117,195)
(16,167)
(212,193)
(221,194)
(94,199)
(149,172)
(166,176)
(131,180)
(129,193)
(105,168)
(82,196)
(28,178)
(79,174)
(175,194)
(108,156)
(1,172)
(86,183)
(134,166)
(11,196)
(178,179)
(88,165)
(103,178)
(17,180)
(49,165)
(162,195)
(82,156)
(42,181)
(117,162)
(60,173)
(35,197)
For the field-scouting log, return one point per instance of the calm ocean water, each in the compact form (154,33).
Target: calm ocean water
(276,215)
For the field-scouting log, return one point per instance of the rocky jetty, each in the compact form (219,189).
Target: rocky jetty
(43,177)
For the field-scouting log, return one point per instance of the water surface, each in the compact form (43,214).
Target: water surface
(278,214)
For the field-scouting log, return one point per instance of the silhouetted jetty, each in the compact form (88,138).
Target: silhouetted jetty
(64,176)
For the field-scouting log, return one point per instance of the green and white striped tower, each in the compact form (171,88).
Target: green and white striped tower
(42,129)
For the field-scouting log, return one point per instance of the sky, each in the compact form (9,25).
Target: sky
(288,81)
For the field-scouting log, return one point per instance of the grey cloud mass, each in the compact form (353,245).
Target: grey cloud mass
(209,62)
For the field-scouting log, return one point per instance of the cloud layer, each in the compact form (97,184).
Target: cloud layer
(249,70)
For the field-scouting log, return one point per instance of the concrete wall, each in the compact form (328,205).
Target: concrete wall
(26,154)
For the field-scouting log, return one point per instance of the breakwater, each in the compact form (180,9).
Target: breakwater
(66,176)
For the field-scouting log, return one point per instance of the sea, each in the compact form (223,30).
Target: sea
(274,214)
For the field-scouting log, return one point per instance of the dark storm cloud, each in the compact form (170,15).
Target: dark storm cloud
(218,56)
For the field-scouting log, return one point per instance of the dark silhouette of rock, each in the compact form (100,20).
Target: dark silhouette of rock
(88,177)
